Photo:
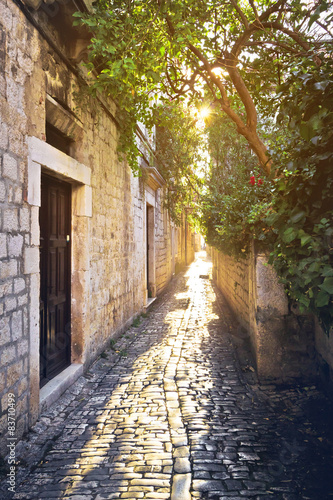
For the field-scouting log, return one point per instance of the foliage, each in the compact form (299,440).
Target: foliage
(180,157)
(218,52)
(301,218)
(231,57)
(237,193)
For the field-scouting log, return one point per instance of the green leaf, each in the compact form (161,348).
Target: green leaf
(327,271)
(289,235)
(297,215)
(327,286)
(322,299)
(307,131)
(305,240)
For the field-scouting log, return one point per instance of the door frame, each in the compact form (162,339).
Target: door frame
(43,156)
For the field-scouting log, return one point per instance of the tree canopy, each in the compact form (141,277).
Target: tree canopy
(222,54)
(264,71)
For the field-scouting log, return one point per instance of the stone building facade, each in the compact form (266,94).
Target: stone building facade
(84,245)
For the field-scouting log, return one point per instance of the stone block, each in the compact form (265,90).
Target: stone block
(14,373)
(34,183)
(18,195)
(2,192)
(31,260)
(6,288)
(82,200)
(8,269)
(22,347)
(10,219)
(15,245)
(269,291)
(25,219)
(3,136)
(5,330)
(15,93)
(35,231)
(17,325)
(10,303)
(2,380)
(8,355)
(22,300)
(3,245)
(6,16)
(19,285)
(4,403)
(22,386)
(9,167)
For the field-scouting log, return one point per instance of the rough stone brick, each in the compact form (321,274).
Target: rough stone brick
(8,269)
(5,330)
(22,300)
(18,195)
(2,192)
(24,219)
(22,347)
(3,245)
(22,386)
(10,303)
(8,355)
(31,260)
(3,136)
(15,93)
(10,220)
(14,373)
(15,245)
(19,285)
(9,167)
(6,288)
(17,324)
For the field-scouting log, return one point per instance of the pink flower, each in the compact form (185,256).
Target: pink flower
(252,180)
(259,182)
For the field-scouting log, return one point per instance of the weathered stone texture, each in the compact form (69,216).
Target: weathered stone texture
(282,342)
(108,218)
(14,229)
(233,278)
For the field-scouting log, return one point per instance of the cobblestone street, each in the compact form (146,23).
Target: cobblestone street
(170,412)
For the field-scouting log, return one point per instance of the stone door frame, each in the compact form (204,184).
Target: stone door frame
(43,156)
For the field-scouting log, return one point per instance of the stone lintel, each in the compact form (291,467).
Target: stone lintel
(155,179)
(51,158)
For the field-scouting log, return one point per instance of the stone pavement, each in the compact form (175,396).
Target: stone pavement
(169,412)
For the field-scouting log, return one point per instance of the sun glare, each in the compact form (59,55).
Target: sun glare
(203,112)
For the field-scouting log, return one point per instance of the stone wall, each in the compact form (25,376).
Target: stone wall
(324,347)
(281,338)
(234,279)
(16,216)
(108,209)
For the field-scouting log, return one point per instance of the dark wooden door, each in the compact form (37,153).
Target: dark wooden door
(55,224)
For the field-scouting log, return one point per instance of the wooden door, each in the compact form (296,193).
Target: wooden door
(55,224)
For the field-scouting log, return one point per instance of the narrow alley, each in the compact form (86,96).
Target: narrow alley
(170,412)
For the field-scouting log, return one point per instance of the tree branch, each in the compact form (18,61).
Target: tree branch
(274,8)
(254,10)
(271,42)
(240,13)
